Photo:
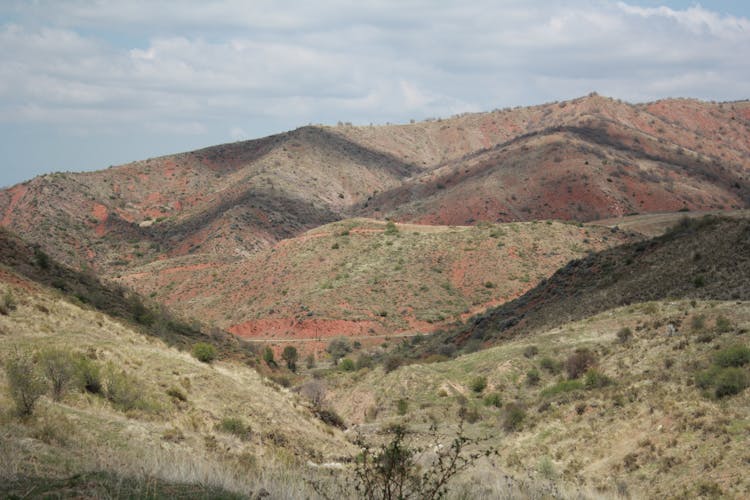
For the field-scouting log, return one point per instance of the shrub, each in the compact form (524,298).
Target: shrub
(346,365)
(738,355)
(562,387)
(330,417)
(290,356)
(310,361)
(578,362)
(730,381)
(514,417)
(42,259)
(390,228)
(724,381)
(478,384)
(25,382)
(364,361)
(723,325)
(88,376)
(392,362)
(338,348)
(314,390)
(550,365)
(595,379)
(396,469)
(177,394)
(59,368)
(531,351)
(7,304)
(698,322)
(624,334)
(234,426)
(204,352)
(268,356)
(471,415)
(402,406)
(122,391)
(493,399)
(532,377)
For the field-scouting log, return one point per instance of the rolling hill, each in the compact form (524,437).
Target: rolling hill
(705,258)
(583,159)
(363,278)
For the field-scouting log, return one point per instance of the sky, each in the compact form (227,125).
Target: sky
(89,84)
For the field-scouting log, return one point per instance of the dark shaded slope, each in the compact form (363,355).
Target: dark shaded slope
(30,262)
(706,258)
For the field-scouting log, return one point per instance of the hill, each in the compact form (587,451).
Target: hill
(367,279)
(583,159)
(636,422)
(31,267)
(707,258)
(151,421)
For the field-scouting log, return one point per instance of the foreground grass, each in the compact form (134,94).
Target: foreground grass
(636,423)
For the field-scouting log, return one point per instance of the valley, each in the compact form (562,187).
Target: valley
(555,297)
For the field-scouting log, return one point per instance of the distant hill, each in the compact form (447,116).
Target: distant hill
(583,159)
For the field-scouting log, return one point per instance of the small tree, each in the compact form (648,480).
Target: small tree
(478,384)
(204,352)
(268,356)
(59,368)
(400,470)
(26,384)
(579,362)
(290,356)
(338,348)
(310,361)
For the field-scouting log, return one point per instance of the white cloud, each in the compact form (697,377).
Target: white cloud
(195,67)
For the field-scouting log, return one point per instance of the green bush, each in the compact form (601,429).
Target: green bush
(402,406)
(562,387)
(123,391)
(723,381)
(290,356)
(364,361)
(595,379)
(235,426)
(268,356)
(59,368)
(310,361)
(25,382)
(478,384)
(730,381)
(7,304)
(390,228)
(204,352)
(624,334)
(723,325)
(88,375)
(530,351)
(550,365)
(514,417)
(532,377)
(346,365)
(738,355)
(493,399)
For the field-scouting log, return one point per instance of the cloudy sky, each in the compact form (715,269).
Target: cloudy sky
(88,84)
